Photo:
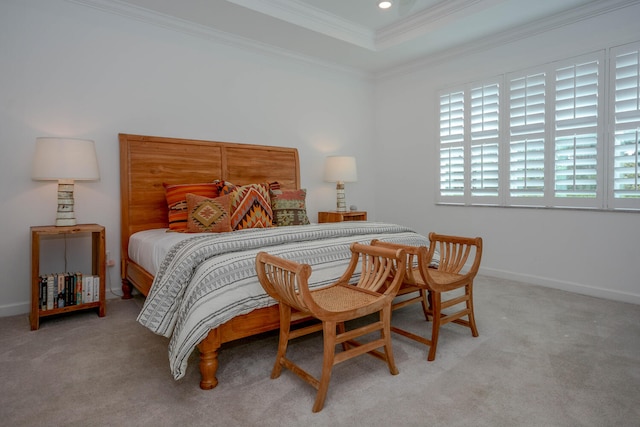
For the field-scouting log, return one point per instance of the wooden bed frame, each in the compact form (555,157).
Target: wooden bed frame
(146,162)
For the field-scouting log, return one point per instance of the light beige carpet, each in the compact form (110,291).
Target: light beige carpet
(543,358)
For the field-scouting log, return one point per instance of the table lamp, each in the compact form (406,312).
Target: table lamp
(340,169)
(65,160)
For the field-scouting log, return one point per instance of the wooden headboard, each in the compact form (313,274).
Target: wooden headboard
(146,162)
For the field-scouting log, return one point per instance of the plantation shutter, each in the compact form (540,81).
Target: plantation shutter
(485,112)
(576,132)
(565,144)
(626,119)
(527,136)
(452,144)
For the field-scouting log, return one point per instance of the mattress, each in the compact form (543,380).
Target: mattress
(148,248)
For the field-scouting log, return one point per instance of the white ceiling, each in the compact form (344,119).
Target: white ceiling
(355,33)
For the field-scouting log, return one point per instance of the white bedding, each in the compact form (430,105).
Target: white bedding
(206,279)
(148,248)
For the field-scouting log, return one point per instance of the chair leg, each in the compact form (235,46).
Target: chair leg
(329,335)
(341,330)
(472,318)
(385,315)
(435,327)
(283,342)
(425,304)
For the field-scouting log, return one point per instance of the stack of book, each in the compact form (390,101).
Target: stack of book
(58,290)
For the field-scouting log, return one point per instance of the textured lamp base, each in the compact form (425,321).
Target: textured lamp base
(65,216)
(341,204)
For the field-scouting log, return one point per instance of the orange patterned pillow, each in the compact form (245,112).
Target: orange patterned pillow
(176,195)
(207,215)
(224,187)
(251,207)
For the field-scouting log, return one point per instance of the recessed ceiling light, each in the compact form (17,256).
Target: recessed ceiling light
(384,4)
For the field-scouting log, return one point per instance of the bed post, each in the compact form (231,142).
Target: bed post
(208,348)
(126,289)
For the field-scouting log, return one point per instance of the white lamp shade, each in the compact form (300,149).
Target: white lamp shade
(65,158)
(340,169)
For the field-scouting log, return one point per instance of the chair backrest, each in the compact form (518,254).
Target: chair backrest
(283,279)
(288,281)
(454,252)
(378,266)
(413,253)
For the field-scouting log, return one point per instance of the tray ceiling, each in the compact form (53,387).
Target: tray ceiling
(357,34)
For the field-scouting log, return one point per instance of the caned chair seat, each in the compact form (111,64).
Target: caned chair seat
(434,280)
(380,275)
(446,279)
(343,298)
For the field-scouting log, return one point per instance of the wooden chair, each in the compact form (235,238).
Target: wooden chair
(287,282)
(439,280)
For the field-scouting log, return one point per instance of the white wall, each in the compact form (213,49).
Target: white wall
(71,70)
(594,253)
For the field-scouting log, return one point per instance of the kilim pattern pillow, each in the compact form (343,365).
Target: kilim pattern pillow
(176,195)
(224,187)
(206,215)
(289,207)
(251,207)
(275,185)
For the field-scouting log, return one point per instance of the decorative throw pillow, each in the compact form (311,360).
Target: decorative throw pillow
(251,207)
(176,195)
(208,215)
(224,187)
(289,207)
(275,186)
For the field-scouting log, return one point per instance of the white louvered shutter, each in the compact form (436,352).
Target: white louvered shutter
(484,133)
(527,138)
(625,158)
(452,170)
(576,147)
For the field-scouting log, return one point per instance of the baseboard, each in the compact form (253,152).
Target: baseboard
(577,288)
(15,309)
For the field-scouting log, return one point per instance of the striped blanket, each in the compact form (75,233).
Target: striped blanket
(209,279)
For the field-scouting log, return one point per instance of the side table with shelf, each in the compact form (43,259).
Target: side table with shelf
(335,216)
(98,268)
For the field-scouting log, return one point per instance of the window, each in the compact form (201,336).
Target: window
(553,148)
(527,137)
(485,109)
(451,144)
(476,150)
(577,153)
(624,189)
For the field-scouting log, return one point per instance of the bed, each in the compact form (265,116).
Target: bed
(178,279)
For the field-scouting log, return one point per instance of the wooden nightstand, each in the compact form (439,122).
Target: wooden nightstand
(334,216)
(98,269)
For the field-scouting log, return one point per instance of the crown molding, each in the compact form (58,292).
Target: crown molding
(313,19)
(129,11)
(388,36)
(420,22)
(587,11)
